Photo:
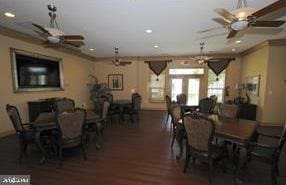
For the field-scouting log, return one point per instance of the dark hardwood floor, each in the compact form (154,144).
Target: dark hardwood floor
(135,154)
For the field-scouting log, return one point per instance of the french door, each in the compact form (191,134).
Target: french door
(188,85)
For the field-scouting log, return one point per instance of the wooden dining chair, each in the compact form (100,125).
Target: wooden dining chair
(168,107)
(72,131)
(226,110)
(200,133)
(134,108)
(176,117)
(182,99)
(64,104)
(24,131)
(268,154)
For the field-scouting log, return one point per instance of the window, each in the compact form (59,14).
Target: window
(157,88)
(186,71)
(177,88)
(216,85)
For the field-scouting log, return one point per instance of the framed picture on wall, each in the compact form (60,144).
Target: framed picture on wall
(115,82)
(252,85)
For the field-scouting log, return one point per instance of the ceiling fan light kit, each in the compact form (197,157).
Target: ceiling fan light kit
(245,16)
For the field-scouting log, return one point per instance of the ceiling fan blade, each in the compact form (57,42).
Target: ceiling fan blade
(74,43)
(270,8)
(42,29)
(268,23)
(231,34)
(225,14)
(221,21)
(125,62)
(72,37)
(41,34)
(211,29)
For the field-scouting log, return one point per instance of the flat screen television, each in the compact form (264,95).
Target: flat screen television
(36,72)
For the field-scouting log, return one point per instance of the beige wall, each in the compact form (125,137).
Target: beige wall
(268,62)
(75,69)
(137,75)
(256,63)
(275,94)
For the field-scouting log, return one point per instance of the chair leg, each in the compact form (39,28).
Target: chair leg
(188,157)
(210,171)
(277,169)
(83,152)
(174,136)
(60,155)
(167,119)
(22,149)
(273,174)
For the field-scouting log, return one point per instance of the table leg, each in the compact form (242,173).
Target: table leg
(38,141)
(241,156)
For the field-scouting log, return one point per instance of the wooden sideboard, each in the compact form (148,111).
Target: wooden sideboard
(39,106)
(247,111)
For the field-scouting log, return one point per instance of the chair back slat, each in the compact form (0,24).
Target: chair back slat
(71,123)
(15,117)
(200,132)
(64,105)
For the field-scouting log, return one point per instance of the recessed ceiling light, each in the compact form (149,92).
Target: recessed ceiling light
(156,46)
(148,31)
(233,49)
(91,49)
(238,41)
(9,14)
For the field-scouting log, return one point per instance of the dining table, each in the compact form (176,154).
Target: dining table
(46,121)
(237,131)
(120,103)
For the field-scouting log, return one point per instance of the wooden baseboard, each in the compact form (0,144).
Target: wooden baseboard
(269,124)
(7,133)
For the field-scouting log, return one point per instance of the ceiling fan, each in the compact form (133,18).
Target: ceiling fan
(201,59)
(244,17)
(117,61)
(54,36)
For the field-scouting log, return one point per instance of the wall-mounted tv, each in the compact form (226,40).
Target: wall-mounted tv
(36,72)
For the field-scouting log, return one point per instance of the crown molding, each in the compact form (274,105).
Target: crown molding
(30,39)
(275,42)
(154,58)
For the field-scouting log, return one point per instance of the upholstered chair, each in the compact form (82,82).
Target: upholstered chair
(176,115)
(168,107)
(25,132)
(200,133)
(206,105)
(134,108)
(268,154)
(72,132)
(182,99)
(64,104)
(228,111)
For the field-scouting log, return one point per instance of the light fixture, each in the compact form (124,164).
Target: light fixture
(9,14)
(156,46)
(53,40)
(148,31)
(91,49)
(242,11)
(201,59)
(238,41)
(233,49)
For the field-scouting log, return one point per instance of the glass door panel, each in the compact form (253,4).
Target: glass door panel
(193,91)
(176,87)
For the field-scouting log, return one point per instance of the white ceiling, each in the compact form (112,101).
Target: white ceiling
(122,23)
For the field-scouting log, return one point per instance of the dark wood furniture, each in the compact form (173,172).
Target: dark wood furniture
(40,106)
(247,111)
(268,154)
(200,132)
(25,132)
(134,108)
(119,104)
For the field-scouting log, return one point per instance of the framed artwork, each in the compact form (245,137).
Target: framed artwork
(252,85)
(115,82)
